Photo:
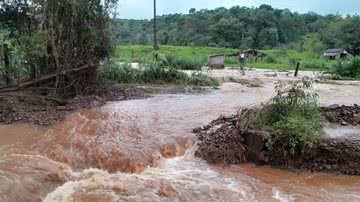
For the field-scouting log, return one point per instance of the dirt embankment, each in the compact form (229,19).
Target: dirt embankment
(222,142)
(34,108)
(344,115)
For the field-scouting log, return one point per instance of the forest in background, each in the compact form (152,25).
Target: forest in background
(238,27)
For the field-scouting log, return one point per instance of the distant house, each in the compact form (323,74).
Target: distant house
(254,54)
(333,54)
(217,61)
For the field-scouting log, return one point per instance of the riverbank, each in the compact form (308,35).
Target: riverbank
(45,111)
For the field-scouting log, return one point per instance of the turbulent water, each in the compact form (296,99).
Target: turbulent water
(143,150)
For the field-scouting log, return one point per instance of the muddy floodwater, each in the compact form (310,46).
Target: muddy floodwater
(143,150)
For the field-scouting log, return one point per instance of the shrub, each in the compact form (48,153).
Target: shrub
(347,69)
(293,118)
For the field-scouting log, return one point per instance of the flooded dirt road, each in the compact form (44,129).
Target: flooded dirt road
(143,150)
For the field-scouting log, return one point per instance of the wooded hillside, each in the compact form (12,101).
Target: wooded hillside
(241,27)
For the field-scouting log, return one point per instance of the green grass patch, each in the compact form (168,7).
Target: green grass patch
(142,53)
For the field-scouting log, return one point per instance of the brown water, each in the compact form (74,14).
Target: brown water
(142,150)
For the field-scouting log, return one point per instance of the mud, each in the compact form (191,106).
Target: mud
(344,115)
(221,142)
(32,108)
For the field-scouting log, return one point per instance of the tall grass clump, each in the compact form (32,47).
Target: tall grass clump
(120,72)
(293,118)
(182,62)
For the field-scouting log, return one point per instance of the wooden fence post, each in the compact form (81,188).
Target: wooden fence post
(297,69)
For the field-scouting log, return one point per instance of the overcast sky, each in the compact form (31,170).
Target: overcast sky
(143,9)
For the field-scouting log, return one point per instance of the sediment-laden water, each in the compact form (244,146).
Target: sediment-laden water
(143,150)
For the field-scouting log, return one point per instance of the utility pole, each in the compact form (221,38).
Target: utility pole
(156,47)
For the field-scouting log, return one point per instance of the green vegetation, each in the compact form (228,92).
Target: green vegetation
(193,58)
(47,46)
(153,74)
(144,53)
(243,28)
(293,118)
(347,69)
(181,62)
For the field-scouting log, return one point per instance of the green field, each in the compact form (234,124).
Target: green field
(144,53)
(281,59)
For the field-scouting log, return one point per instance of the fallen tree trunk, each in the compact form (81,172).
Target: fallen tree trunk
(41,79)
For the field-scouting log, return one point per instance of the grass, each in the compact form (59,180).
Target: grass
(142,53)
(152,74)
(183,62)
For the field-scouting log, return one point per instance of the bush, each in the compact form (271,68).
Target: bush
(347,69)
(293,118)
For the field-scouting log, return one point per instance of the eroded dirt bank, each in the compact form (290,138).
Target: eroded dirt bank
(79,159)
(221,142)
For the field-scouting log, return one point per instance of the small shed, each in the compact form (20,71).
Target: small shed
(333,54)
(216,61)
(254,54)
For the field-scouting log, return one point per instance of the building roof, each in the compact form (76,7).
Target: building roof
(254,52)
(336,51)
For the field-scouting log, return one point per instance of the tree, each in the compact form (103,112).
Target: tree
(73,36)
(192,11)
